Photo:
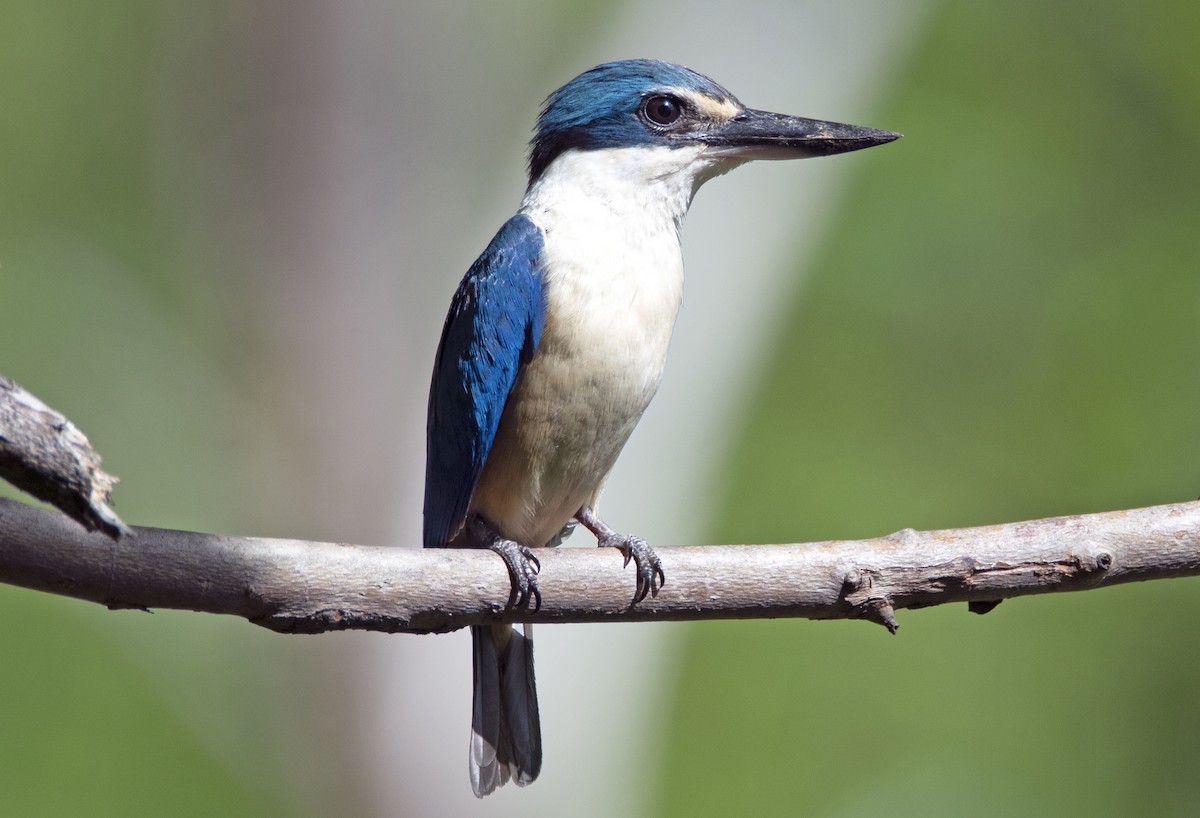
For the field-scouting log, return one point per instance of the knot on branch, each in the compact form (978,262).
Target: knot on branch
(858,592)
(873,593)
(1078,569)
(1098,563)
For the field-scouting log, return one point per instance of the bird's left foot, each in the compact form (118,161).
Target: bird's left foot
(650,576)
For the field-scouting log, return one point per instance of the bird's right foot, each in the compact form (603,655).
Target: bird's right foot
(523,566)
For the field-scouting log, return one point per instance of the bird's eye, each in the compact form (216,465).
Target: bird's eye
(662,110)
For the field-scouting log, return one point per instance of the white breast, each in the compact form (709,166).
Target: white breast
(614,282)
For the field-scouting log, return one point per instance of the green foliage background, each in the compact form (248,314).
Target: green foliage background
(1002,324)
(119,713)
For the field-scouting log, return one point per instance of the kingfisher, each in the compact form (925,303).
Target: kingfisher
(556,339)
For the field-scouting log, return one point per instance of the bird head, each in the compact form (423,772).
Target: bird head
(655,104)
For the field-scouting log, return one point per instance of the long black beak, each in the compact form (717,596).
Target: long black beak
(763,135)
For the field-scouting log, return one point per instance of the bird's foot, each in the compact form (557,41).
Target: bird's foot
(523,566)
(650,576)
(523,569)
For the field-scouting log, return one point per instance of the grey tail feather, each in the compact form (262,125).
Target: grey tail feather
(506,734)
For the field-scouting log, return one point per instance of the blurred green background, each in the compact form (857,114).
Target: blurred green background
(226,244)
(1001,326)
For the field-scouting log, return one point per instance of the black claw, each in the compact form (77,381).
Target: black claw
(650,575)
(523,568)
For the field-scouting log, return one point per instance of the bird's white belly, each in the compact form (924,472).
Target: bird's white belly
(575,404)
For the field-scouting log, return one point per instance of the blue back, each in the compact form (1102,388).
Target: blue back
(494,325)
(599,108)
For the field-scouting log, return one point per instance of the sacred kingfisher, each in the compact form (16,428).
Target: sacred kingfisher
(556,340)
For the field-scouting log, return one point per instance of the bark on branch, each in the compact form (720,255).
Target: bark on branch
(43,453)
(309,587)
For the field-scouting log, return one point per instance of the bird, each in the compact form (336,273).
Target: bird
(556,339)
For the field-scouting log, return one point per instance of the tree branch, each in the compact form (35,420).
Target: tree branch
(43,453)
(307,587)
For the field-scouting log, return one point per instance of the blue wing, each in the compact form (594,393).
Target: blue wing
(494,324)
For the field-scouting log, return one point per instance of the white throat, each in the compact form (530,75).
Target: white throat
(612,221)
(636,185)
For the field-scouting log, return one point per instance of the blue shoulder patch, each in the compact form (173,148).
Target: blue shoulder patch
(494,325)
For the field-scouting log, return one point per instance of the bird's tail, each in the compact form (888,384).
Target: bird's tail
(506,733)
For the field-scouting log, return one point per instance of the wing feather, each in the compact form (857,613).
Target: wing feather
(493,328)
